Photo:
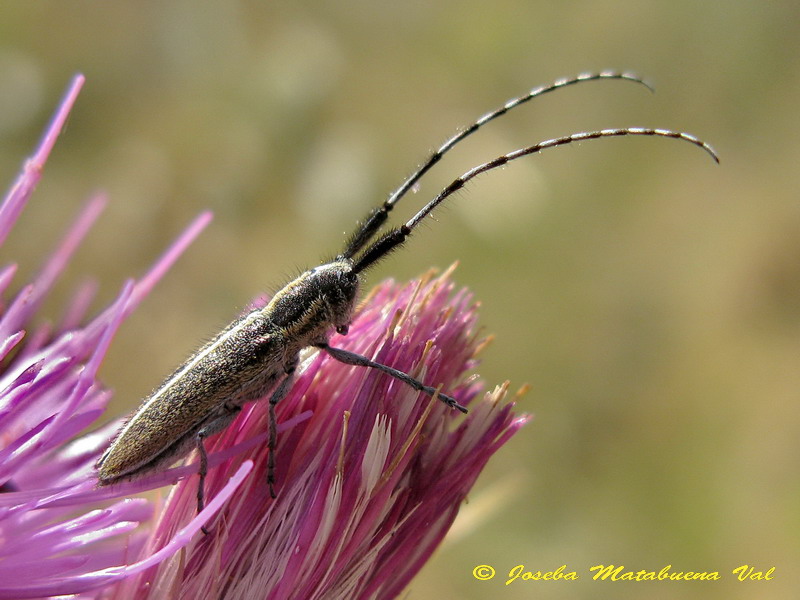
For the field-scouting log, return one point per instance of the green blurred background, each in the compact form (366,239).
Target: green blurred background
(650,297)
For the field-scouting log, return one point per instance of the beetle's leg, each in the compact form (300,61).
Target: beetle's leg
(351,358)
(278,395)
(210,428)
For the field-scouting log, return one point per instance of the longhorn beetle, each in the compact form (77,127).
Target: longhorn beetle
(258,352)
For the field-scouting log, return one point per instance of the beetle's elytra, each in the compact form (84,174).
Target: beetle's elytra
(255,356)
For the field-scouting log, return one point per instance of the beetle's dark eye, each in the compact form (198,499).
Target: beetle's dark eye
(342,329)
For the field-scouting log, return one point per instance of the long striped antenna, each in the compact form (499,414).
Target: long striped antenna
(394,238)
(377,216)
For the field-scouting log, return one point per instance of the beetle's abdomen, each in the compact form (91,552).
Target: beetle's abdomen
(241,364)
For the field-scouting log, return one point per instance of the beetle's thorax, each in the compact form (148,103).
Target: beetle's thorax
(311,306)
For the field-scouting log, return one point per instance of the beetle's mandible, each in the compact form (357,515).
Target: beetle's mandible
(255,357)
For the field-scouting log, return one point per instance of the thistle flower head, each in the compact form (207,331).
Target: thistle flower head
(370,473)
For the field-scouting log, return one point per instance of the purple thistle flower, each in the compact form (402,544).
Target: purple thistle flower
(370,473)
(48,395)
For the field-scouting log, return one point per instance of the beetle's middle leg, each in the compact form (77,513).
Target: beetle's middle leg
(215,425)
